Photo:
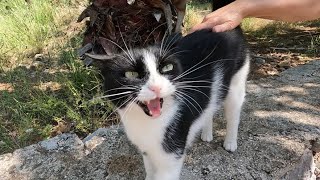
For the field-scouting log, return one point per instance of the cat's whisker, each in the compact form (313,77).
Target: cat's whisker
(176,53)
(171,43)
(125,44)
(193,89)
(118,107)
(162,41)
(181,98)
(121,88)
(189,82)
(195,86)
(181,75)
(128,57)
(124,96)
(192,78)
(129,107)
(167,52)
(144,43)
(186,102)
(101,98)
(117,94)
(133,86)
(184,94)
(186,73)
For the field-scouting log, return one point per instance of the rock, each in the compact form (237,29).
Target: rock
(37,65)
(38,57)
(30,130)
(285,64)
(315,145)
(304,170)
(272,71)
(260,61)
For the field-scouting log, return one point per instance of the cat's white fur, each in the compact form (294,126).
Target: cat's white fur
(147,133)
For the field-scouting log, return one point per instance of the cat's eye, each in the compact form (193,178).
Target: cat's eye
(131,74)
(167,68)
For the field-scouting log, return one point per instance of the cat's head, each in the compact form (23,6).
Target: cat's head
(141,77)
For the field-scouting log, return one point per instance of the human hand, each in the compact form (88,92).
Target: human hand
(223,19)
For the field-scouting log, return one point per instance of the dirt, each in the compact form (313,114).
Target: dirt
(275,49)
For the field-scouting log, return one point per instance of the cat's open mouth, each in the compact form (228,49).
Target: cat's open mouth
(153,107)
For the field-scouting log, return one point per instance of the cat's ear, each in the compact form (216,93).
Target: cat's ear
(100,60)
(172,40)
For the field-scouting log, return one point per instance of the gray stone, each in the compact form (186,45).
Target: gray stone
(39,57)
(304,169)
(260,61)
(281,115)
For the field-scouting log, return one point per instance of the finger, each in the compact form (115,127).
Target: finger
(223,27)
(209,24)
(199,27)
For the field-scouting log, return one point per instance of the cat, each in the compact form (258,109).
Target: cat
(165,94)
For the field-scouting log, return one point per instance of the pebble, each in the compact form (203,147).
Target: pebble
(260,61)
(206,170)
(36,65)
(285,64)
(38,57)
(315,145)
(272,71)
(29,130)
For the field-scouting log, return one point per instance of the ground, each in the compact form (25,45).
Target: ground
(279,118)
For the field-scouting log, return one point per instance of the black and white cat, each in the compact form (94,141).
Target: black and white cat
(165,94)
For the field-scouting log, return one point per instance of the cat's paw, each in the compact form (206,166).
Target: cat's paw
(230,145)
(207,137)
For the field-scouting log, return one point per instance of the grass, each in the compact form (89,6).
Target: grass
(195,13)
(38,95)
(26,26)
(44,88)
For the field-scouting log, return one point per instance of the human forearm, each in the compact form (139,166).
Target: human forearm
(230,16)
(282,10)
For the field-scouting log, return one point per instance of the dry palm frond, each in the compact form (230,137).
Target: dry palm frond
(115,22)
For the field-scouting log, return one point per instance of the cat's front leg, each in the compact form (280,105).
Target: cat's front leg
(232,109)
(149,167)
(169,168)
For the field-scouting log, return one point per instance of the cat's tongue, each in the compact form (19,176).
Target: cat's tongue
(154,107)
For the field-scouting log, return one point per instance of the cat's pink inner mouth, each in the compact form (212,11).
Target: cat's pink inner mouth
(154,107)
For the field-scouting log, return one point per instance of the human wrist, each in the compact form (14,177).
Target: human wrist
(249,8)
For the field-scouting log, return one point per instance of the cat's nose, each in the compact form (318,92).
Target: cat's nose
(155,89)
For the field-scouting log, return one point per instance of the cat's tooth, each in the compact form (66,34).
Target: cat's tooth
(150,112)
(148,102)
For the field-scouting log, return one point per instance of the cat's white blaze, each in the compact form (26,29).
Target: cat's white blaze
(155,79)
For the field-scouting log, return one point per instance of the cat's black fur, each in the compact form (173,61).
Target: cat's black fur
(229,55)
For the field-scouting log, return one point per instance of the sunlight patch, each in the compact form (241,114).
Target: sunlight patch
(48,86)
(6,87)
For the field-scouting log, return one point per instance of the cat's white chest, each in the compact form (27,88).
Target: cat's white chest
(146,132)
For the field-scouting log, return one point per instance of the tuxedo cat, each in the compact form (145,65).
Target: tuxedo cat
(165,94)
